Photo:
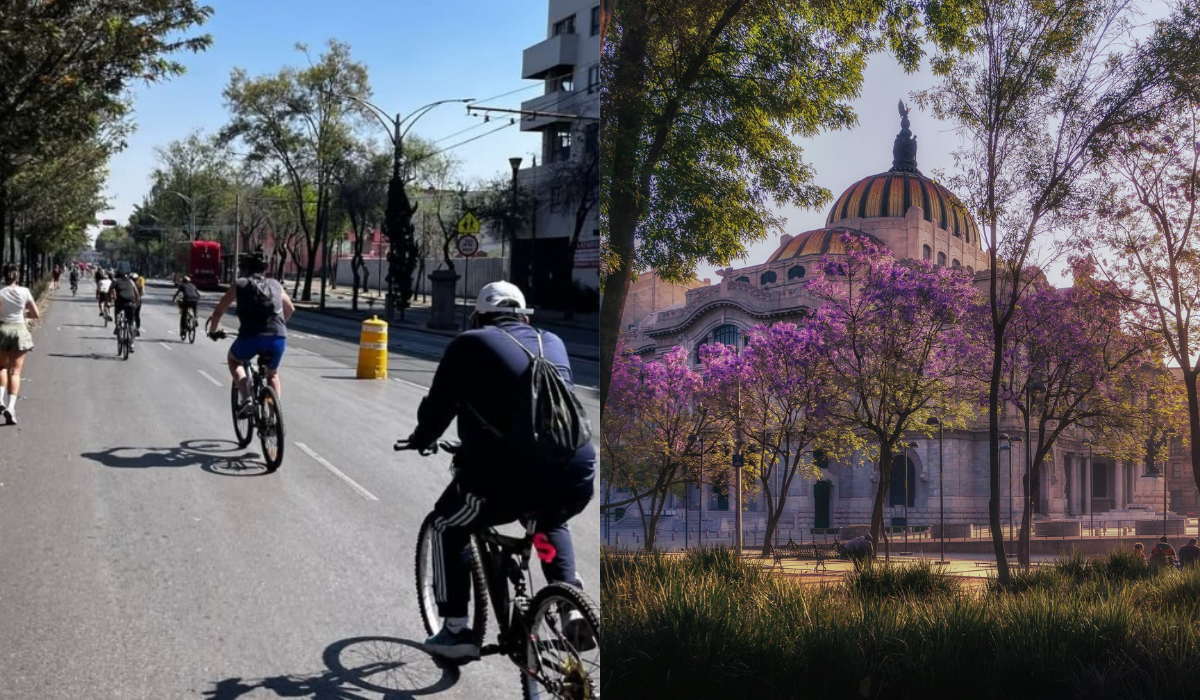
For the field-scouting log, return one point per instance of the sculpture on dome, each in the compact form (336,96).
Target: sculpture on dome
(904,150)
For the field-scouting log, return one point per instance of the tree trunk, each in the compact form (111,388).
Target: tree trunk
(1189,381)
(885,478)
(354,265)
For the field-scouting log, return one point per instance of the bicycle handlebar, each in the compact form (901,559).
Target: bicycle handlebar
(450,446)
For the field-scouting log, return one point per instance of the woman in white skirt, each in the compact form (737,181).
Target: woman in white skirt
(16,303)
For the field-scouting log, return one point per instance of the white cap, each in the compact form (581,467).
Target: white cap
(491,298)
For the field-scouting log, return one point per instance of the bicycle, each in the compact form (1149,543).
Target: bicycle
(106,311)
(266,416)
(74,288)
(124,335)
(533,632)
(188,325)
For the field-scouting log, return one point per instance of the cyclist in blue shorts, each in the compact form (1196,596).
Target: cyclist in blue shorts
(263,309)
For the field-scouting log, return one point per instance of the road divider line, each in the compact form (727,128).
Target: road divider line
(302,351)
(209,377)
(337,472)
(165,345)
(412,384)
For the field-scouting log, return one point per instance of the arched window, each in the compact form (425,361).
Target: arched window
(941,259)
(796,273)
(767,278)
(820,459)
(726,335)
(743,279)
(957,264)
(971,270)
(926,253)
(896,487)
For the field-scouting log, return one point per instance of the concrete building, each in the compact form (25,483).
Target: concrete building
(567,117)
(913,216)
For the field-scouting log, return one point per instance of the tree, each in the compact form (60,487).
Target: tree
(1094,364)
(899,347)
(779,394)
(1149,230)
(579,183)
(700,105)
(649,435)
(362,192)
(1038,105)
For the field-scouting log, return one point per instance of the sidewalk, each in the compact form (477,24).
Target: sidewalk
(581,335)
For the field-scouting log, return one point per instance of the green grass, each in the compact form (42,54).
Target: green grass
(706,625)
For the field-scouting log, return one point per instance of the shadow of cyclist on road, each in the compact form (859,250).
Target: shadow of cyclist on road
(397,668)
(210,455)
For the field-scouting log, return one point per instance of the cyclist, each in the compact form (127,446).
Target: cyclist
(103,289)
(477,382)
(137,310)
(74,277)
(190,300)
(57,274)
(125,297)
(261,331)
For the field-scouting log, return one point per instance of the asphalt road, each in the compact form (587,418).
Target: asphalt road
(145,556)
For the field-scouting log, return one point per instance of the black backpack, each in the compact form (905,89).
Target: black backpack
(261,305)
(549,424)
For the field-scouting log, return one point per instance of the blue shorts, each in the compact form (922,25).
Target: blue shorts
(272,347)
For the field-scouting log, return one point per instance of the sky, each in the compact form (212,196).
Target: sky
(415,52)
(842,158)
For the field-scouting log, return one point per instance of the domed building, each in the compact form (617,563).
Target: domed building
(916,218)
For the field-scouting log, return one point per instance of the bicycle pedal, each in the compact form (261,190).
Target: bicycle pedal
(489,649)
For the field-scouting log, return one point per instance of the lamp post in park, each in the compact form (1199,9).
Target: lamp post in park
(936,420)
(1014,439)
(1031,388)
(1091,511)
(700,523)
(906,446)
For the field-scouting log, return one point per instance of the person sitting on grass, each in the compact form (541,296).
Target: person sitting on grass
(1162,552)
(860,550)
(1189,553)
(1139,552)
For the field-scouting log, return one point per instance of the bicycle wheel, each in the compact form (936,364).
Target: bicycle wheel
(426,601)
(270,431)
(192,332)
(104,313)
(562,650)
(242,427)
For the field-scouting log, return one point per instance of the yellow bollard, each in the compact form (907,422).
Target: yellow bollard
(373,349)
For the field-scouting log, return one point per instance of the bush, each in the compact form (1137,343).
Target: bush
(893,580)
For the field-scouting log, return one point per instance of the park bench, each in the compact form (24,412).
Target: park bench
(819,552)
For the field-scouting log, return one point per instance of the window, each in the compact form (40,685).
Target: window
(565,26)
(595,20)
(591,138)
(941,260)
(897,486)
(927,253)
(596,232)
(593,78)
(726,335)
(820,459)
(561,83)
(1176,470)
(957,264)
(743,279)
(767,278)
(558,144)
(970,270)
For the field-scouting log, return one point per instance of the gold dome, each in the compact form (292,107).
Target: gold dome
(822,241)
(890,194)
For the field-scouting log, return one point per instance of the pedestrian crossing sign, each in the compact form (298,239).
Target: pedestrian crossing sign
(468,225)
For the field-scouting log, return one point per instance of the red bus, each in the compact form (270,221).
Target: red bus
(200,260)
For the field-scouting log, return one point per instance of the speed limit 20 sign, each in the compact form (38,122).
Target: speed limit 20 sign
(468,246)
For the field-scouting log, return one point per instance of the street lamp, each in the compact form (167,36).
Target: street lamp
(1091,511)
(191,211)
(1016,439)
(515,162)
(935,420)
(1031,388)
(906,446)
(399,212)
(1167,440)
(700,522)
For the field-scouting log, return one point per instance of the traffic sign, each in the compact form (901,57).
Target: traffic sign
(739,461)
(468,245)
(468,225)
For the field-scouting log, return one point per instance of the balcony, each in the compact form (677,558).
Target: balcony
(552,55)
(561,102)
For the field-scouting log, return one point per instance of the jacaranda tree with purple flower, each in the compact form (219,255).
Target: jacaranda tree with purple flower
(777,394)
(898,350)
(649,431)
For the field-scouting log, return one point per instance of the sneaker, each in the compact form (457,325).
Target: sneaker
(246,409)
(137,333)
(9,418)
(453,645)
(578,632)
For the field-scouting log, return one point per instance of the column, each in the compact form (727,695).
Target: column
(1077,482)
(1119,484)
(1069,489)
(1086,493)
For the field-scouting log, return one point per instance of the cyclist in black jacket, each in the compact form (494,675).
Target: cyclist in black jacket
(477,382)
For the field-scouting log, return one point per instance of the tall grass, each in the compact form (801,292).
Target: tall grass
(706,625)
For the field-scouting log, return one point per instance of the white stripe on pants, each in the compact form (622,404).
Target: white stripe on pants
(462,517)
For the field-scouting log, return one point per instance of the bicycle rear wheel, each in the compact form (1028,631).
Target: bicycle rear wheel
(270,431)
(192,332)
(562,649)
(242,427)
(426,600)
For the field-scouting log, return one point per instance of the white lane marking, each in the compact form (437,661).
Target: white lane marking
(302,351)
(165,345)
(337,472)
(412,384)
(209,377)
